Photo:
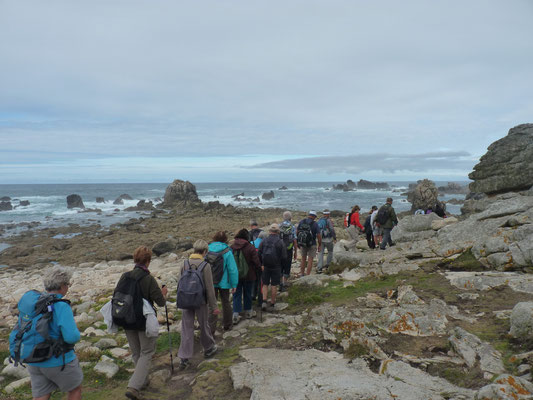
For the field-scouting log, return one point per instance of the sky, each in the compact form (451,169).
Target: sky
(211,91)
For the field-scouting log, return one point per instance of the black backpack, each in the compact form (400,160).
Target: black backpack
(127,303)
(216,259)
(269,254)
(191,287)
(382,215)
(304,235)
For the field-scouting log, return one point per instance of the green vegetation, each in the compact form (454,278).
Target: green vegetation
(356,349)
(162,342)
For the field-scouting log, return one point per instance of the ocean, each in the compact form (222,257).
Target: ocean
(48,204)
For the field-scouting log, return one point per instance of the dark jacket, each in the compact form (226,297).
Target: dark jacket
(392,220)
(250,254)
(279,255)
(149,287)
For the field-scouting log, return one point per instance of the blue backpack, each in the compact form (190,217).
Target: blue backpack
(30,342)
(323,225)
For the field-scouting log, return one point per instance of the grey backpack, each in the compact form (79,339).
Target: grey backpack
(191,287)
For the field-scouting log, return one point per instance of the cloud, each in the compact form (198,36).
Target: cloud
(387,163)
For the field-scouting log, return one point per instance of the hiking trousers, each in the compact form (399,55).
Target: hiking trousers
(329,247)
(187,331)
(227,311)
(243,294)
(142,349)
(386,238)
(370,239)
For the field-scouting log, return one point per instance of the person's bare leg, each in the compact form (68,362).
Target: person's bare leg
(273,292)
(264,292)
(302,265)
(45,397)
(309,265)
(75,394)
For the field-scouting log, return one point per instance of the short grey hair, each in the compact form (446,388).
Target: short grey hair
(56,277)
(200,246)
(287,215)
(262,235)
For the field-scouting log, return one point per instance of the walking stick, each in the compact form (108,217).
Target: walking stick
(169,338)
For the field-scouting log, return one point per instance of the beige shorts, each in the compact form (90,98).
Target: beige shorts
(308,251)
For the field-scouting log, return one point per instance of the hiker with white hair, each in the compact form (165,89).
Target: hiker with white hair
(52,364)
(288,235)
(272,254)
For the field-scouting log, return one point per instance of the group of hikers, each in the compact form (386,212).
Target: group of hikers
(257,259)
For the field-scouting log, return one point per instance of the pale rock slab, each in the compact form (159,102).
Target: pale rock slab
(506,387)
(315,375)
(522,320)
(17,384)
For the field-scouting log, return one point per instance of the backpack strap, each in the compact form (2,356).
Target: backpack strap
(186,265)
(201,267)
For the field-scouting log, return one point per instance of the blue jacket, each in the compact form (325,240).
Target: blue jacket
(230,279)
(63,320)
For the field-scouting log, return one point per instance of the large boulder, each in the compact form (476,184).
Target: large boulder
(268,195)
(120,199)
(75,201)
(5,206)
(24,203)
(424,196)
(507,164)
(522,320)
(364,184)
(180,192)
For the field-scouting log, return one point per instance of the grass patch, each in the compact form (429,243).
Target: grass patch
(162,342)
(355,350)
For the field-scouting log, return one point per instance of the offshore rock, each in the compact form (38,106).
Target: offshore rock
(268,195)
(180,192)
(5,206)
(75,201)
(424,196)
(507,164)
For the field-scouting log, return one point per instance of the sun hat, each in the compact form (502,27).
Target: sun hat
(274,228)
(313,213)
(325,212)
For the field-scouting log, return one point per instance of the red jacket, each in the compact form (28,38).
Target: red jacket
(250,254)
(354,220)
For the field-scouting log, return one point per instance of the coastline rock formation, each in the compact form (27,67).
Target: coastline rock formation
(5,206)
(453,188)
(180,193)
(268,195)
(364,184)
(424,196)
(100,200)
(75,201)
(507,165)
(120,199)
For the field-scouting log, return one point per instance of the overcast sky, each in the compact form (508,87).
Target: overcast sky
(144,91)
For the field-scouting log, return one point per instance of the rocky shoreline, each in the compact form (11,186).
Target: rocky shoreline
(446,313)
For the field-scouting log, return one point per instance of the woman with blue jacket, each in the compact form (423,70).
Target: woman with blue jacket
(229,281)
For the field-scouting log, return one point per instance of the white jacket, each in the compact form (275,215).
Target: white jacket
(152,325)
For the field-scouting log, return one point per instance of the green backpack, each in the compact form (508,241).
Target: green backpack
(242,265)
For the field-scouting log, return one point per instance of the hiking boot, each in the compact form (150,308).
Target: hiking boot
(318,271)
(184,364)
(264,306)
(236,318)
(250,314)
(211,352)
(134,394)
(272,306)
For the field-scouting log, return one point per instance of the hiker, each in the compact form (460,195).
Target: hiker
(309,241)
(377,231)
(440,209)
(354,223)
(368,228)
(272,254)
(256,287)
(185,352)
(248,265)
(329,237)
(387,224)
(254,230)
(287,233)
(59,372)
(228,281)
(142,346)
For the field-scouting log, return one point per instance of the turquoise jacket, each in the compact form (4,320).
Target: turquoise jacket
(63,320)
(230,279)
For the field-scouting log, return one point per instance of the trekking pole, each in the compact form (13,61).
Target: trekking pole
(169,338)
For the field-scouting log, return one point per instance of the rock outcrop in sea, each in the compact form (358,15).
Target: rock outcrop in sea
(180,193)
(75,201)
(424,195)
